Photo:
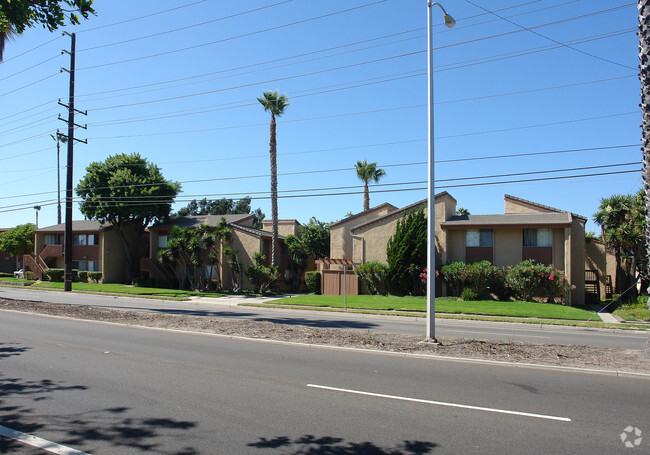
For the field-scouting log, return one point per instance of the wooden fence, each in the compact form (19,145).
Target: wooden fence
(338,282)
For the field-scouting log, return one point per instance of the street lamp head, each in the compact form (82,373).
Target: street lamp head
(449,21)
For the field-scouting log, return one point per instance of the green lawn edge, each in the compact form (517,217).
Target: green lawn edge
(473,317)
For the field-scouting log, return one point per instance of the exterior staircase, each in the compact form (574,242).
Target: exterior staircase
(38,264)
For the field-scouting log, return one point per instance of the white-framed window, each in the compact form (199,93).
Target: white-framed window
(93,266)
(93,239)
(538,237)
(479,237)
(162,241)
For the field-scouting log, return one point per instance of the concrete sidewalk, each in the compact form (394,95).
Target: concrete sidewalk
(234,300)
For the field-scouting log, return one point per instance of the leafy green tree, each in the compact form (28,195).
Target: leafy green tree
(622,221)
(368,172)
(316,237)
(128,192)
(406,253)
(274,103)
(222,207)
(462,211)
(19,240)
(17,15)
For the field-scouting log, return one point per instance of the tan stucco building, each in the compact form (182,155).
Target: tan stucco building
(96,247)
(526,230)
(245,238)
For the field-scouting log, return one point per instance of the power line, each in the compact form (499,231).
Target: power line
(530,29)
(140,17)
(167,32)
(322,171)
(294,196)
(257,32)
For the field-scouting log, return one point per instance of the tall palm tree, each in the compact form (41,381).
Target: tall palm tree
(644,77)
(368,172)
(275,104)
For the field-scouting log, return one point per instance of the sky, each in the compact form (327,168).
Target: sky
(536,99)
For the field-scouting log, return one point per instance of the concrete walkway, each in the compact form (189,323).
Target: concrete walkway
(605,315)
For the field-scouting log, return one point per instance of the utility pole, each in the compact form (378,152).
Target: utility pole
(68,191)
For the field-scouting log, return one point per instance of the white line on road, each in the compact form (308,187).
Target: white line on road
(442,403)
(38,442)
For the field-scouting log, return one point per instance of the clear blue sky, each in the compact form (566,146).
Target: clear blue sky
(180,87)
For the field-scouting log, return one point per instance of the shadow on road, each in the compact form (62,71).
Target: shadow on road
(321,323)
(327,445)
(90,430)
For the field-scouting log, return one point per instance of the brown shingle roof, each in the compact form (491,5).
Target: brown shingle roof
(77,226)
(192,221)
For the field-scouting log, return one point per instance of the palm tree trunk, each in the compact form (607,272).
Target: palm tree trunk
(644,77)
(366,196)
(274,194)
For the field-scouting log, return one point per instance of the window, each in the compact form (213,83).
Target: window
(538,237)
(79,240)
(82,266)
(50,239)
(92,239)
(162,241)
(479,237)
(93,266)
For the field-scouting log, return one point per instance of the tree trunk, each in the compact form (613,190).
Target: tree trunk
(274,194)
(644,77)
(366,196)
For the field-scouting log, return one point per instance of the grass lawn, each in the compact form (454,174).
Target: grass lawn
(637,311)
(111,288)
(446,305)
(11,279)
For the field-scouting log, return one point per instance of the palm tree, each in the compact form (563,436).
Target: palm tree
(37,208)
(644,77)
(60,139)
(274,103)
(6,33)
(368,172)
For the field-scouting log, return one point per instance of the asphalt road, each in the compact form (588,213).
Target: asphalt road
(105,389)
(227,308)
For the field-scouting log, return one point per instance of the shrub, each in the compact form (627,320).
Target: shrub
(260,275)
(455,275)
(529,279)
(312,281)
(469,294)
(83,276)
(55,274)
(374,275)
(95,277)
(29,275)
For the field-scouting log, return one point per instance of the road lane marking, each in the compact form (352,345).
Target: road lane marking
(442,403)
(39,442)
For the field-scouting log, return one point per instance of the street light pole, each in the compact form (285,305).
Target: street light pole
(431,203)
